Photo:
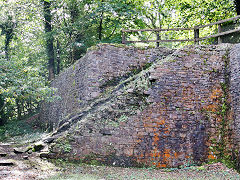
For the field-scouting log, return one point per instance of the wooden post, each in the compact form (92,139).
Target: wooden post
(123,37)
(158,38)
(196,35)
(219,31)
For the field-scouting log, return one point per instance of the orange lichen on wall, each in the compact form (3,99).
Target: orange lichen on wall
(185,115)
(211,108)
(216,118)
(216,93)
(158,155)
(211,156)
(157,124)
(215,100)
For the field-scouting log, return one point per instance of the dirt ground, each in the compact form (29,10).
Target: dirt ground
(16,164)
(87,172)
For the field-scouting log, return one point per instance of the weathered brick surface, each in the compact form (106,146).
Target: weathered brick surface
(186,98)
(87,79)
(234,69)
(169,115)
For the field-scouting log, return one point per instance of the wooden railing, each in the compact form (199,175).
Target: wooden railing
(196,29)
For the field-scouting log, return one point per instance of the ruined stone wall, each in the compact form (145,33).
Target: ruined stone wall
(173,113)
(103,66)
(234,70)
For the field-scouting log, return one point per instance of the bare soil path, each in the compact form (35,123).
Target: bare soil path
(18,162)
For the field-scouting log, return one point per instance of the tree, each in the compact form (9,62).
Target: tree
(156,15)
(49,38)
(237,6)
(2,115)
(111,16)
(76,12)
(7,30)
(182,13)
(32,40)
(100,28)
(23,82)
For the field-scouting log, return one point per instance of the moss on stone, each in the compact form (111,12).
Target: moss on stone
(63,145)
(93,48)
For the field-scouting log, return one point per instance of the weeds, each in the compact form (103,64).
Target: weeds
(17,130)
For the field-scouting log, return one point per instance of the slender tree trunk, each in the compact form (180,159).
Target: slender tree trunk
(159,19)
(49,39)
(18,109)
(2,116)
(100,27)
(29,106)
(237,6)
(9,36)
(74,12)
(58,57)
(7,29)
(7,44)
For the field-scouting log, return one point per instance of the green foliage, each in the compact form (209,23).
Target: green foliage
(23,74)
(21,85)
(75,26)
(15,128)
(64,145)
(181,13)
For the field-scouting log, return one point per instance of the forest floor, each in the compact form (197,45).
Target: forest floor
(18,161)
(16,164)
(215,171)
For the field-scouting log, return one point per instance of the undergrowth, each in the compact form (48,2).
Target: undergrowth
(19,129)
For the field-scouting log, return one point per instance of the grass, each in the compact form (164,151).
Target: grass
(90,172)
(75,177)
(19,130)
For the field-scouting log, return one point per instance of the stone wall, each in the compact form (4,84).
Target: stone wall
(234,70)
(172,112)
(102,67)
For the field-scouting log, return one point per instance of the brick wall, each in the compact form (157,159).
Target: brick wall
(103,66)
(234,70)
(173,113)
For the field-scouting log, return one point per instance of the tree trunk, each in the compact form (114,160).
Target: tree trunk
(19,111)
(76,37)
(7,29)
(100,27)
(49,39)
(2,116)
(58,57)
(7,44)
(237,6)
